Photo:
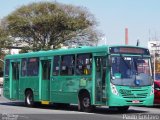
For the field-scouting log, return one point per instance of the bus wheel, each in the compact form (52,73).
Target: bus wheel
(85,103)
(29,99)
(123,109)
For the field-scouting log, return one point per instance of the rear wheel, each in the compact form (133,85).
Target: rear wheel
(85,103)
(29,101)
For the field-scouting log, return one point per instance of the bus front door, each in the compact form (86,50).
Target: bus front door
(15,80)
(45,85)
(100,79)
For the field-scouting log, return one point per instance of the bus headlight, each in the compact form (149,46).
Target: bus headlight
(152,90)
(113,89)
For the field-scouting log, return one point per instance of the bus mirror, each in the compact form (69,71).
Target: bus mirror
(158,89)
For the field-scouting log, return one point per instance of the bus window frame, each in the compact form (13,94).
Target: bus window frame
(90,63)
(67,66)
(53,66)
(37,67)
(21,70)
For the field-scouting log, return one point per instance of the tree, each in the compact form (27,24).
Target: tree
(86,37)
(46,25)
(5,39)
(5,42)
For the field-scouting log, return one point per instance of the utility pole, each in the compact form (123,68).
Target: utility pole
(126,36)
(154,60)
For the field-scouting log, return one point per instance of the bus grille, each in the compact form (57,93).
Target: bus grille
(133,93)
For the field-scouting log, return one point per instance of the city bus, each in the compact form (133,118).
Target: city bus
(113,76)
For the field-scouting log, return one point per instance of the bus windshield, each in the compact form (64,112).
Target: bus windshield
(131,71)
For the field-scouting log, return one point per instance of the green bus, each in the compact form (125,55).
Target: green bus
(114,76)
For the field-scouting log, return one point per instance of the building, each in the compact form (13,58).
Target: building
(154,47)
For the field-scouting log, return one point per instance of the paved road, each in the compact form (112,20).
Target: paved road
(11,110)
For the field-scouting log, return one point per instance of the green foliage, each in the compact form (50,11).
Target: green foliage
(46,25)
(5,41)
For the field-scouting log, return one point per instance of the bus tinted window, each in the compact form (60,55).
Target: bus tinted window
(24,67)
(56,65)
(7,65)
(67,64)
(33,67)
(84,64)
(15,71)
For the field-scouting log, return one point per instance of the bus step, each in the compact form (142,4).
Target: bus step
(45,102)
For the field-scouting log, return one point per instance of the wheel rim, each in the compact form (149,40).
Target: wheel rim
(86,102)
(29,99)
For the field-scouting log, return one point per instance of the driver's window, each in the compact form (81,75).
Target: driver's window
(143,66)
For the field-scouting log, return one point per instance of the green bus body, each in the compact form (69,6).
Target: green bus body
(51,87)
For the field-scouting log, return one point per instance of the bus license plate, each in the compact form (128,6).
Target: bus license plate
(135,101)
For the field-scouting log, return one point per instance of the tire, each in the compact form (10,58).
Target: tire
(85,103)
(29,101)
(123,109)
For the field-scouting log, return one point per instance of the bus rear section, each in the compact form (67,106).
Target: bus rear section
(131,78)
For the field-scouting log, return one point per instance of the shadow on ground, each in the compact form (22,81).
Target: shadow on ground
(97,110)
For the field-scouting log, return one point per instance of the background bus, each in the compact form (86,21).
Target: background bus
(114,76)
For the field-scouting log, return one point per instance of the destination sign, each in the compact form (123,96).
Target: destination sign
(128,50)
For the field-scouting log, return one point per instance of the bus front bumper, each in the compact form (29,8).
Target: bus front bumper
(120,101)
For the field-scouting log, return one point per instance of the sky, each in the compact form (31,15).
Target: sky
(141,17)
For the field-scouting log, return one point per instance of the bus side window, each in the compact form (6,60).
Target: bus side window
(67,64)
(15,71)
(84,64)
(7,66)
(56,62)
(24,67)
(33,67)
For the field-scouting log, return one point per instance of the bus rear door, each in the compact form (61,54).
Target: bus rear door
(15,79)
(45,79)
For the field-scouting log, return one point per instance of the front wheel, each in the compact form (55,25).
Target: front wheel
(29,101)
(123,109)
(85,103)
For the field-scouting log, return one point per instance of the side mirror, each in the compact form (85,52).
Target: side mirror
(157,89)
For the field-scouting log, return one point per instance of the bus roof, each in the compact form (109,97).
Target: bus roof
(63,51)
